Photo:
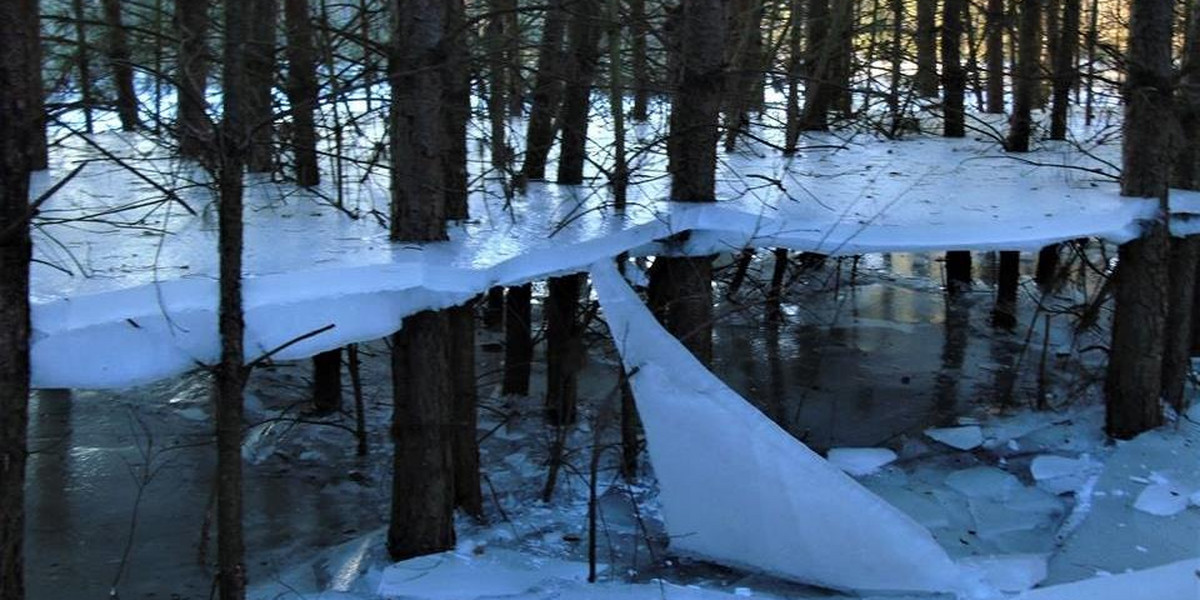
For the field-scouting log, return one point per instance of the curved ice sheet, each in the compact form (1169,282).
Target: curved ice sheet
(738,489)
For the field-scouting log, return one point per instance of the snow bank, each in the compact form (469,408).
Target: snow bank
(737,489)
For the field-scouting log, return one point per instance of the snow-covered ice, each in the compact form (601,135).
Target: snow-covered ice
(1161,499)
(860,461)
(963,438)
(454,576)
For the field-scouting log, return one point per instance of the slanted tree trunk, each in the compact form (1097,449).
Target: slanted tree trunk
(302,89)
(639,63)
(191,73)
(422,515)
(120,65)
(467,494)
(518,340)
(564,348)
(547,93)
(1133,387)
(456,109)
(1064,68)
(995,56)
(954,79)
(231,373)
(1025,79)
(327,381)
(926,81)
(583,54)
(18,37)
(260,67)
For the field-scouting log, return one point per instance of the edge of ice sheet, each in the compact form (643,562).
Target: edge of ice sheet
(789,512)
(1174,581)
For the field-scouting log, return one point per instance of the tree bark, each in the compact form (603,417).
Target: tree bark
(467,494)
(639,63)
(547,93)
(302,89)
(1133,387)
(456,108)
(583,54)
(83,64)
(1064,68)
(954,79)
(995,56)
(17,37)
(1025,79)
(958,270)
(327,381)
(564,348)
(120,65)
(518,340)
(260,69)
(696,104)
(817,57)
(191,72)
(926,81)
(498,85)
(38,150)
(1004,315)
(743,53)
(795,73)
(681,293)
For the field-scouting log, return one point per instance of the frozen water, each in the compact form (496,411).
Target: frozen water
(984,482)
(962,438)
(1060,474)
(1175,581)
(454,576)
(1161,499)
(1011,573)
(763,499)
(860,461)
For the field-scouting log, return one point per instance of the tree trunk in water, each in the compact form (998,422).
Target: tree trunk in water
(302,90)
(995,56)
(1133,387)
(547,93)
(926,81)
(1007,282)
(456,109)
(191,73)
(681,292)
(1047,266)
(493,309)
(518,340)
(467,494)
(583,54)
(1025,79)
(564,348)
(422,514)
(639,64)
(17,37)
(954,80)
(818,55)
(1064,68)
(235,135)
(327,381)
(120,65)
(958,270)
(260,67)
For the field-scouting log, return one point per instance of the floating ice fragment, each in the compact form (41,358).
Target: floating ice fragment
(860,461)
(1059,474)
(453,576)
(983,482)
(1008,573)
(963,438)
(1161,499)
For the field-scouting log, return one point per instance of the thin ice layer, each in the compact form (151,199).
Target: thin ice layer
(738,489)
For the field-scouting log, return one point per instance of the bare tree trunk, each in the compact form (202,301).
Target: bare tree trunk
(191,73)
(302,89)
(743,53)
(547,93)
(1004,315)
(795,73)
(122,68)
(583,54)
(639,62)
(564,348)
(38,151)
(1051,11)
(467,494)
(512,54)
(1092,42)
(897,59)
(1025,80)
(498,85)
(818,55)
(681,292)
(260,68)
(995,56)
(958,270)
(1133,387)
(518,340)
(83,64)
(619,175)
(456,108)
(231,373)
(954,79)
(493,309)
(422,515)
(1064,68)
(926,80)
(327,381)
(18,37)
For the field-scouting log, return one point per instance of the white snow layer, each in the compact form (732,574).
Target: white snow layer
(860,461)
(1175,581)
(738,489)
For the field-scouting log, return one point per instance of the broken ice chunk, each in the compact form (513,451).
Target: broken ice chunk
(963,438)
(1059,474)
(1161,499)
(860,461)
(983,482)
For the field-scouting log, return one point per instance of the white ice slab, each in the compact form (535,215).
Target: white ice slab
(453,576)
(963,438)
(1175,581)
(860,461)
(738,489)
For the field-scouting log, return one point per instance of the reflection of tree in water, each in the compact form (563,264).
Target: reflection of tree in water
(49,465)
(956,330)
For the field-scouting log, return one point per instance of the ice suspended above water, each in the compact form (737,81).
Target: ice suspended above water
(738,489)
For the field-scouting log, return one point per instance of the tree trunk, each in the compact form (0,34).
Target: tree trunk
(640,65)
(817,57)
(191,73)
(235,133)
(547,93)
(926,81)
(18,37)
(467,494)
(1004,315)
(743,53)
(302,89)
(681,292)
(583,54)
(120,65)
(493,309)
(260,68)
(958,270)
(1133,387)
(995,56)
(795,73)
(618,178)
(564,348)
(83,64)
(422,516)
(498,86)
(327,381)
(38,150)
(518,340)
(954,79)
(1025,79)
(456,109)
(696,105)
(1064,68)
(512,54)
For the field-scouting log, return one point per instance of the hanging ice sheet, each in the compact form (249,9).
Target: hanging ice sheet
(738,489)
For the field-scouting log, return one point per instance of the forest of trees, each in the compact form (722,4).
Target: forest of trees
(280,87)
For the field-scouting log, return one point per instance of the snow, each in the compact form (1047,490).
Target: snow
(860,461)
(762,499)
(1175,581)
(454,576)
(963,438)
